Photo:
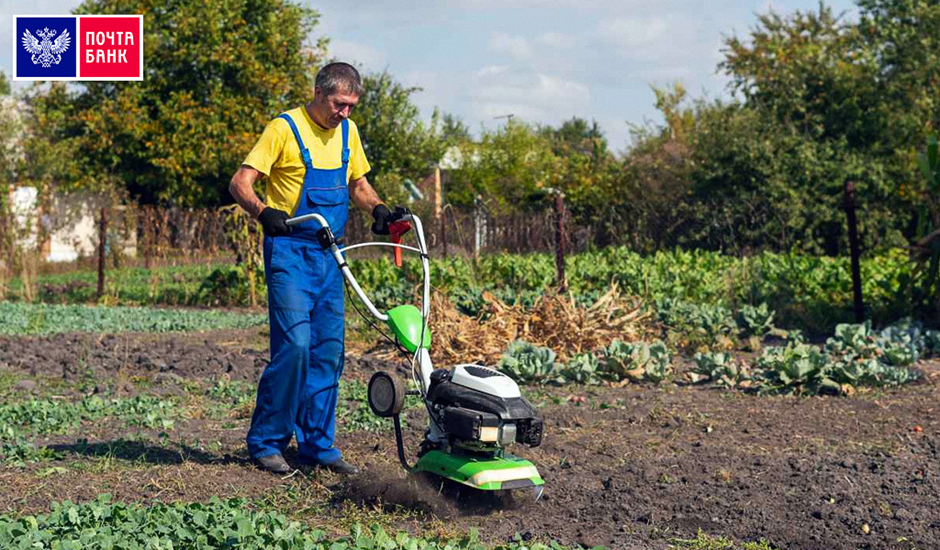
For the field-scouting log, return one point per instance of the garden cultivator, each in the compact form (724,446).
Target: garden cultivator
(475,413)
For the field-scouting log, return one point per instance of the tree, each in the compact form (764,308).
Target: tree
(821,90)
(453,130)
(904,35)
(397,143)
(215,73)
(509,168)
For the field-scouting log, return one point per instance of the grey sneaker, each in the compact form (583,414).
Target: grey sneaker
(341,467)
(273,463)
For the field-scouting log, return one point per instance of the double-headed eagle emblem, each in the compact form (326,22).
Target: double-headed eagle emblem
(46,52)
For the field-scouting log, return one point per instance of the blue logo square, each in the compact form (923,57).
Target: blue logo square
(46,47)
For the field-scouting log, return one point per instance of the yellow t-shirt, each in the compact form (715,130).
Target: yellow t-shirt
(277,155)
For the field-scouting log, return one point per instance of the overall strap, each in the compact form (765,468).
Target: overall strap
(304,152)
(345,142)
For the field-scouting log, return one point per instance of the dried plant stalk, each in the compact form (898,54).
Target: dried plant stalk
(555,321)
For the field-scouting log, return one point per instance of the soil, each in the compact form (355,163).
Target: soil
(632,467)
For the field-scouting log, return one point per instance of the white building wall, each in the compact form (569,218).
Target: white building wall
(71,225)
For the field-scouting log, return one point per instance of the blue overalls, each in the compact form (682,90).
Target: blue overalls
(298,389)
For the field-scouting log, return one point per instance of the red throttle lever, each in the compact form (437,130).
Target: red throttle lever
(395,231)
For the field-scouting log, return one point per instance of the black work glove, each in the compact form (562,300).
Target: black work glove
(274,222)
(384,217)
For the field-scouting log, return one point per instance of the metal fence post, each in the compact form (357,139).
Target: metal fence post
(561,282)
(854,249)
(444,230)
(102,245)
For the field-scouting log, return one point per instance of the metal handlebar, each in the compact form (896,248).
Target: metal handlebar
(307,217)
(337,254)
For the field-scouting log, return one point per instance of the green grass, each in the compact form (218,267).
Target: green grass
(132,286)
(216,524)
(21,422)
(709,542)
(38,319)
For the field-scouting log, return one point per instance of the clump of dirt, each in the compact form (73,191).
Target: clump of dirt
(389,488)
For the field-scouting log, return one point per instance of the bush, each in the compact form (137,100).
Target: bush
(229,286)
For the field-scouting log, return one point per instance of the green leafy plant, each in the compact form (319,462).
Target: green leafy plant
(862,356)
(529,363)
(468,301)
(721,368)
(713,321)
(797,368)
(583,368)
(904,343)
(637,361)
(20,318)
(230,286)
(19,421)
(755,320)
(218,523)
(932,342)
(659,366)
(626,360)
(857,339)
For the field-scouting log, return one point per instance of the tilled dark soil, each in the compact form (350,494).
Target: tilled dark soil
(235,354)
(634,467)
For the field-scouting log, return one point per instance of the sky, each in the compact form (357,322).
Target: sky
(541,61)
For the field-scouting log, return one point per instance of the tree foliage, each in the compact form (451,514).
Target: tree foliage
(398,144)
(215,73)
(822,101)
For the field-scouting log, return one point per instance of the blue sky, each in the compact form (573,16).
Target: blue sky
(543,61)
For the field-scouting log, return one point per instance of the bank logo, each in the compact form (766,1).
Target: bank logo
(46,52)
(78,47)
(44,47)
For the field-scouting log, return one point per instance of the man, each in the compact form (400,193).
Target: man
(316,164)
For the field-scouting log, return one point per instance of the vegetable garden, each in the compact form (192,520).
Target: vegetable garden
(691,400)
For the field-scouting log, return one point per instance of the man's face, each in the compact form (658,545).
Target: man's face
(332,109)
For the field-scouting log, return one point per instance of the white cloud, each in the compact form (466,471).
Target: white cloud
(636,32)
(554,90)
(492,70)
(557,40)
(517,47)
(347,50)
(531,97)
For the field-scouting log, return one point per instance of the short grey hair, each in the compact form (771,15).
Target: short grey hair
(339,77)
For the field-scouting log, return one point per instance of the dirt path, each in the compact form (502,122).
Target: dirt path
(634,467)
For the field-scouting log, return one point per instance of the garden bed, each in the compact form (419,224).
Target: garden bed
(638,466)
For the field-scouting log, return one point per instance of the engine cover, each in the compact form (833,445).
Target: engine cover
(481,394)
(485,380)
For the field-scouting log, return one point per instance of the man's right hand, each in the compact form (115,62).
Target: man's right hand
(274,222)
(384,218)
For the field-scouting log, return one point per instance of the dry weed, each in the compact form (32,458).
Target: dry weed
(555,321)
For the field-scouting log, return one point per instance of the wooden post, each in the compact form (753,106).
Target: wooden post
(438,199)
(561,282)
(146,224)
(102,245)
(854,248)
